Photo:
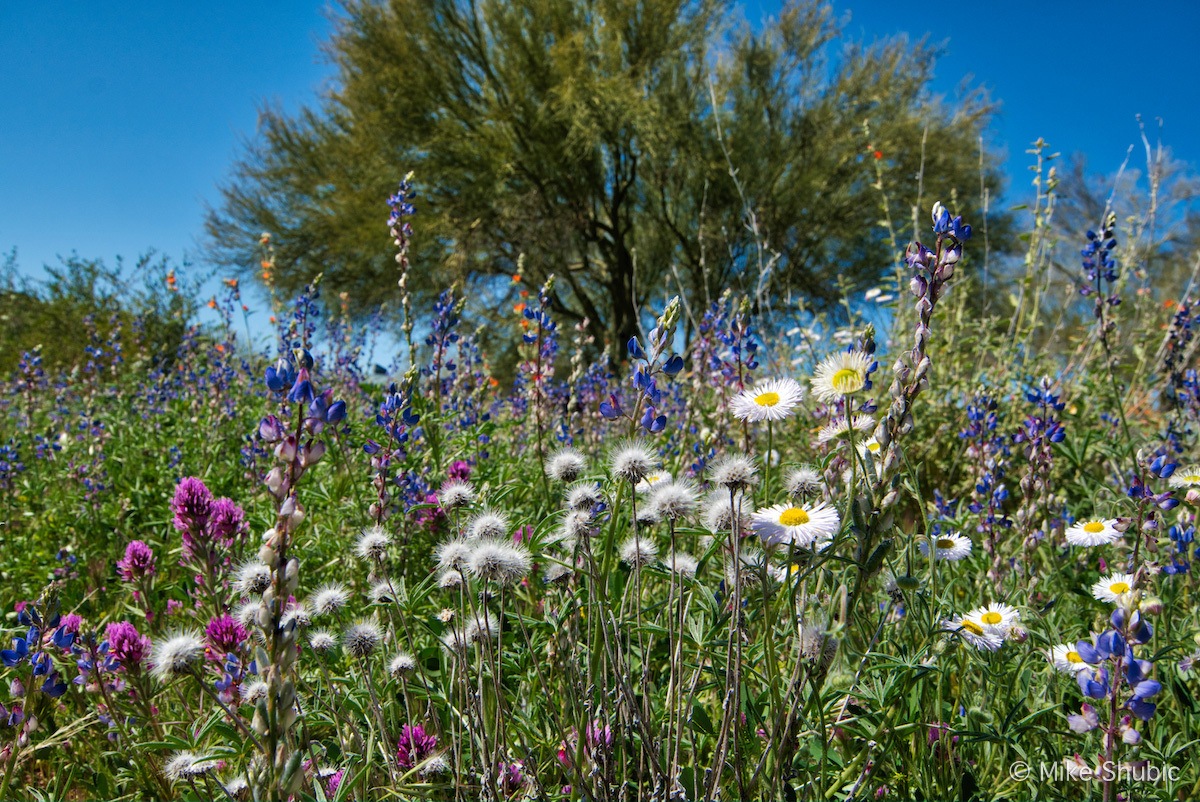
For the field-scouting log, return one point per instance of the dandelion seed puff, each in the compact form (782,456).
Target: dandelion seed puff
(949,546)
(402,665)
(997,618)
(584,497)
(382,592)
(1185,477)
(373,544)
(177,654)
(1064,658)
(565,465)
(974,633)
(453,554)
(253,691)
(456,640)
(450,579)
(329,598)
(185,765)
(803,482)
(674,500)
(802,525)
(682,563)
(637,552)
(841,374)
(247,615)
(1094,532)
(733,471)
(770,400)
(322,641)
(362,638)
(252,578)
(840,429)
(499,561)
(632,460)
(489,525)
(1112,587)
(454,495)
(652,480)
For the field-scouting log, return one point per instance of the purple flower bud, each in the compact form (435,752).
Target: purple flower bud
(192,505)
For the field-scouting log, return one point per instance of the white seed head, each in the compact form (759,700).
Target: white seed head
(328,599)
(185,765)
(718,513)
(637,552)
(499,561)
(455,495)
(482,627)
(373,544)
(804,482)
(584,497)
(453,554)
(682,563)
(322,641)
(362,638)
(450,579)
(734,472)
(632,460)
(489,525)
(253,691)
(674,500)
(565,465)
(177,654)
(402,664)
(253,578)
(296,614)
(382,592)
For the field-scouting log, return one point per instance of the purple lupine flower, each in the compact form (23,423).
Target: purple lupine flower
(126,645)
(225,634)
(413,746)
(192,505)
(137,563)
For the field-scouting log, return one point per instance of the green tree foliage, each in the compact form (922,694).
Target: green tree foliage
(631,148)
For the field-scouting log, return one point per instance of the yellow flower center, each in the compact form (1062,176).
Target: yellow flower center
(972,627)
(1073,657)
(873,446)
(1119,587)
(1192,478)
(766,399)
(793,516)
(945,543)
(847,380)
(1092,527)
(991,618)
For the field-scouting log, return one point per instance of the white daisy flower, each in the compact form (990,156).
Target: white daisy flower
(650,480)
(841,374)
(362,638)
(949,546)
(870,446)
(632,460)
(1064,658)
(499,561)
(974,632)
(803,525)
(565,465)
(1185,477)
(1112,587)
(373,544)
(996,618)
(177,654)
(489,525)
(839,428)
(768,400)
(1094,532)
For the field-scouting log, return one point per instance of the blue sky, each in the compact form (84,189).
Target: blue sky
(118,120)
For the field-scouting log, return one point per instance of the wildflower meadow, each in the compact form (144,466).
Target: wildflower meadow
(910,549)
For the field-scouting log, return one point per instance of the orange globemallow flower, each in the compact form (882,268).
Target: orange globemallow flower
(879,154)
(212,303)
(519,308)
(524,293)
(516,278)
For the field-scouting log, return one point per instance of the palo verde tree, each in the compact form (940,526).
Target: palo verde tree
(632,148)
